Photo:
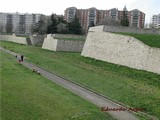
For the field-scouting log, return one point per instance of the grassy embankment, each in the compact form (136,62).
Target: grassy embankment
(80,39)
(28,96)
(149,39)
(135,88)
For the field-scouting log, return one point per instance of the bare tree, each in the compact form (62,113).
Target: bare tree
(109,21)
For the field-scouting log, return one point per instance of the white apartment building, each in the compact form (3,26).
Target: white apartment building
(70,13)
(156,21)
(3,21)
(92,16)
(21,23)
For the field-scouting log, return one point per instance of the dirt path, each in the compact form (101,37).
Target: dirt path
(81,91)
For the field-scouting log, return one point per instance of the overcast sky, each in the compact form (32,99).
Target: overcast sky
(47,7)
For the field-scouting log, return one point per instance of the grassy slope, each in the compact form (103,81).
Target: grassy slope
(132,87)
(148,39)
(80,39)
(28,96)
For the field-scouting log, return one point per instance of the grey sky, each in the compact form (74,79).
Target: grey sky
(47,7)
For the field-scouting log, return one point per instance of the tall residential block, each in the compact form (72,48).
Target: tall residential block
(136,18)
(70,13)
(18,23)
(89,16)
(156,21)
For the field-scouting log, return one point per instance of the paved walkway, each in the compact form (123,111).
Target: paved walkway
(86,94)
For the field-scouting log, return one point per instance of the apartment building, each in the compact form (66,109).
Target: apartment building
(136,18)
(156,21)
(17,22)
(86,16)
(92,15)
(70,13)
(113,13)
(83,16)
(3,22)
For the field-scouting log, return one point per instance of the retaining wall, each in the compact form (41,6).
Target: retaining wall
(13,38)
(37,40)
(121,49)
(69,36)
(51,43)
(70,45)
(130,30)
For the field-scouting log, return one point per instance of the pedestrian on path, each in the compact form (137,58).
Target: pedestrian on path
(18,59)
(22,58)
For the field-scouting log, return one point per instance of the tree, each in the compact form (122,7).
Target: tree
(52,24)
(40,27)
(9,27)
(109,21)
(62,25)
(62,28)
(124,20)
(75,27)
(61,20)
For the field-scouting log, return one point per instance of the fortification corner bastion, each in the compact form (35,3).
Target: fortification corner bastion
(121,49)
(55,42)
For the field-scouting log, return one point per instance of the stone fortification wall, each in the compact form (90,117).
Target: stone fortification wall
(121,49)
(69,36)
(130,30)
(70,45)
(51,43)
(37,40)
(13,38)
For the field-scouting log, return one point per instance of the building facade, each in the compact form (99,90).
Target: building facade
(136,18)
(156,21)
(89,16)
(70,13)
(18,23)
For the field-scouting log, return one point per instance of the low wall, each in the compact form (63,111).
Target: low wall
(121,49)
(13,38)
(53,44)
(70,45)
(37,40)
(69,36)
(130,30)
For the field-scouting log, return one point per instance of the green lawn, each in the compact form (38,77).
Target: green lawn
(149,39)
(135,88)
(28,96)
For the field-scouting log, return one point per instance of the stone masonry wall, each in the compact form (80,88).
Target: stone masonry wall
(70,45)
(121,49)
(53,44)
(37,40)
(50,43)
(130,30)
(13,38)
(69,36)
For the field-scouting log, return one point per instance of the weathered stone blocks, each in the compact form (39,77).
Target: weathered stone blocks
(121,49)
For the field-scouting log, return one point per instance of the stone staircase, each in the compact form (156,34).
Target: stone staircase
(28,41)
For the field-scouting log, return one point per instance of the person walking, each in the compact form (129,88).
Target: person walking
(22,58)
